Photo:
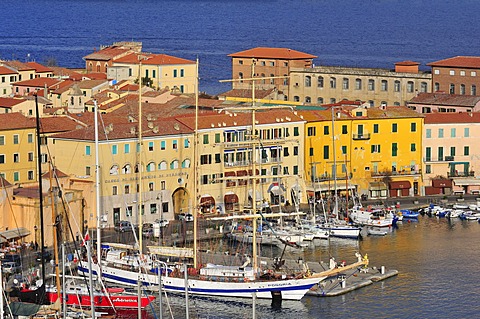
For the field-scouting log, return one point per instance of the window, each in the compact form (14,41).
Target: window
(428,133)
(376,148)
(333,100)
(466,132)
(326,130)
(428,154)
(174,164)
(394,149)
(240,76)
(440,132)
(453,132)
(310,151)
(384,85)
(436,87)
(285,79)
(345,83)
(206,159)
(358,84)
(466,150)
(410,86)
(320,100)
(333,83)
(129,210)
(114,190)
(325,151)
(452,72)
(308,99)
(175,73)
(296,98)
(344,149)
(163,145)
(2,158)
(285,151)
(473,90)
(87,150)
(452,151)
(308,81)
(295,170)
(150,146)
(423,87)
(175,144)
(15,139)
(371,85)
(88,170)
(396,86)
(320,82)
(462,89)
(205,138)
(30,156)
(30,138)
(452,88)
(311,131)
(218,158)
(344,129)
(394,128)
(182,73)
(162,166)
(114,149)
(16,176)
(413,147)
(150,167)
(375,128)
(126,148)
(413,127)
(473,73)
(440,153)
(295,131)
(16,157)
(295,150)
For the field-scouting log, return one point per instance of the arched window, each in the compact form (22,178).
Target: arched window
(423,87)
(473,90)
(296,98)
(174,164)
(186,163)
(263,78)
(126,169)
(346,84)
(308,81)
(308,99)
(320,100)
(162,165)
(358,84)
(240,76)
(151,167)
(333,83)
(320,82)
(114,170)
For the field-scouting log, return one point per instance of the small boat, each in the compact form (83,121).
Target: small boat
(79,295)
(376,232)
(406,213)
(470,215)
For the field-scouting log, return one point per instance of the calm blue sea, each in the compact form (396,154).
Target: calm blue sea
(368,33)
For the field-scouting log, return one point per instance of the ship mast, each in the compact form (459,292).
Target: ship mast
(195,172)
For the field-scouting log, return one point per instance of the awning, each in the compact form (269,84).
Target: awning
(207,201)
(377,186)
(400,185)
(466,181)
(229,174)
(242,173)
(251,171)
(14,234)
(326,188)
(230,198)
(276,191)
(441,183)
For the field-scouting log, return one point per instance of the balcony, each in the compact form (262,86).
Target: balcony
(439,159)
(403,172)
(461,174)
(358,137)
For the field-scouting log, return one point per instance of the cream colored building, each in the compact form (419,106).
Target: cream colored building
(331,84)
(166,157)
(163,71)
(227,157)
(451,150)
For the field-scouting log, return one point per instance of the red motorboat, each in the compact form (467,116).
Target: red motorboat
(79,295)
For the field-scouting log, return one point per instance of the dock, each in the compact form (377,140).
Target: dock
(351,280)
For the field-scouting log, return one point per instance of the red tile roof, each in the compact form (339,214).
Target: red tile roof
(106,54)
(55,173)
(459,62)
(38,82)
(443,118)
(4,70)
(39,68)
(17,65)
(57,124)
(13,121)
(153,59)
(272,53)
(245,93)
(8,102)
(95,76)
(407,63)
(445,99)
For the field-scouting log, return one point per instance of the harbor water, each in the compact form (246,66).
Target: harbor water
(437,260)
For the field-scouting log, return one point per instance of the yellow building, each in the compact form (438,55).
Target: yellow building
(159,71)
(166,157)
(17,148)
(376,151)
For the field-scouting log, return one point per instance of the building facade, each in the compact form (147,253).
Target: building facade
(458,75)
(331,84)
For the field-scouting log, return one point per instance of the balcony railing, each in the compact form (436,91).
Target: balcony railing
(439,159)
(397,173)
(460,174)
(364,136)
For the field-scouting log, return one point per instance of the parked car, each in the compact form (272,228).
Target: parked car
(185,217)
(147,232)
(123,226)
(162,222)
(47,256)
(11,267)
